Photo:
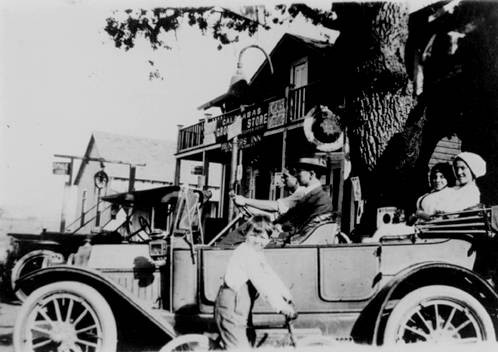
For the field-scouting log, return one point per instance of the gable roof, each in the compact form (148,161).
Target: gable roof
(306,43)
(318,46)
(156,154)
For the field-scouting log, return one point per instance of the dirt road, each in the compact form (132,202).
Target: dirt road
(8,312)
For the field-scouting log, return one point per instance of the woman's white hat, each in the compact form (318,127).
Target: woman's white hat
(475,163)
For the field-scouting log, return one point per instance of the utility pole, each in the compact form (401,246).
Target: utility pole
(65,196)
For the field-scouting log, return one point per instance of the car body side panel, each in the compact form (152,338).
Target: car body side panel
(348,273)
(397,257)
(184,280)
(131,267)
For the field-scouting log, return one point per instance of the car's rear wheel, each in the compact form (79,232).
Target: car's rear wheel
(29,262)
(65,316)
(438,314)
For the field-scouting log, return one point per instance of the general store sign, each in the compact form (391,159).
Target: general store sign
(220,124)
(254,119)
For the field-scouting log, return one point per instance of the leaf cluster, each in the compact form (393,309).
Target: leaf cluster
(223,25)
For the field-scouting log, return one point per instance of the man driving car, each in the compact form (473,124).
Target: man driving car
(314,208)
(304,210)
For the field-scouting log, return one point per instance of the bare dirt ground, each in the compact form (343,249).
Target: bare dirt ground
(8,313)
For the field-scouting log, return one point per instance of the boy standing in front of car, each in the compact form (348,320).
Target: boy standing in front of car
(248,273)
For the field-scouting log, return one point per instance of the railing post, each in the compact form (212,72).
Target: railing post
(180,138)
(287,105)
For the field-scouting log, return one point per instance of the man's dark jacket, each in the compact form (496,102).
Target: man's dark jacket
(314,203)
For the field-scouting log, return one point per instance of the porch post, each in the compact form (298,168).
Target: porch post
(205,169)
(178,166)
(233,175)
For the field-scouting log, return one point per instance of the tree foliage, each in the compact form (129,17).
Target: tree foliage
(222,25)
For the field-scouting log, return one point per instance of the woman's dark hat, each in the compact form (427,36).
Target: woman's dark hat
(311,164)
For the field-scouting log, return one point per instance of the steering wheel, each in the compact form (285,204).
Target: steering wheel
(144,226)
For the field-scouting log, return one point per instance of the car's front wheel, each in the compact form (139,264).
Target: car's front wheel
(188,342)
(65,316)
(29,262)
(438,314)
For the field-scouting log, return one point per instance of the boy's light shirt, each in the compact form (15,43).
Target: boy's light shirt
(249,264)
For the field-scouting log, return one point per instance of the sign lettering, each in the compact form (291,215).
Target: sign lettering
(254,119)
(276,111)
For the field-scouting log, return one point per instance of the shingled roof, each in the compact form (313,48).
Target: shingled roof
(156,154)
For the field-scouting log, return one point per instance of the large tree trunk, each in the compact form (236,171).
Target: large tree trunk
(383,126)
(392,135)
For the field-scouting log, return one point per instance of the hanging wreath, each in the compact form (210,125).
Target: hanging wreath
(322,128)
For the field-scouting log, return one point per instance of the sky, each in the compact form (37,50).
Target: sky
(61,78)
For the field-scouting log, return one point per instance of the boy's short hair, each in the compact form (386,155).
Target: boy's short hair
(259,226)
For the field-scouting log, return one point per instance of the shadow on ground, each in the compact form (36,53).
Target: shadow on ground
(6,339)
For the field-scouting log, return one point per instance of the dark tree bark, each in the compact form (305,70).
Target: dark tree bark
(384,127)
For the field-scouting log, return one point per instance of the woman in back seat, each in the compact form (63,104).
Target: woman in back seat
(467,167)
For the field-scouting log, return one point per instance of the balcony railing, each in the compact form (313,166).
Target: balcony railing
(301,100)
(298,102)
(191,136)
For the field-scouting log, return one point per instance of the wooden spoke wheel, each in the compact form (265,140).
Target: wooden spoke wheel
(188,342)
(438,314)
(65,316)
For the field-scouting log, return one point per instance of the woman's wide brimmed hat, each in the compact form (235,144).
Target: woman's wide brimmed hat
(475,163)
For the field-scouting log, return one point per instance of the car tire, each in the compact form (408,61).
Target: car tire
(187,342)
(438,313)
(29,262)
(66,315)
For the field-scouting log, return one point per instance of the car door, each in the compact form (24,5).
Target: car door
(320,278)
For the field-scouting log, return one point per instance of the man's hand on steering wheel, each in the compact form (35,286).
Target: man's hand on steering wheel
(144,226)
(240,203)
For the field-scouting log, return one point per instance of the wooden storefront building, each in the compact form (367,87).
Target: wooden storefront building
(268,121)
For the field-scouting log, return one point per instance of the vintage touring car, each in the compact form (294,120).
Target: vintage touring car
(435,284)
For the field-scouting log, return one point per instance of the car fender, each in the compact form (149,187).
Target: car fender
(111,292)
(431,273)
